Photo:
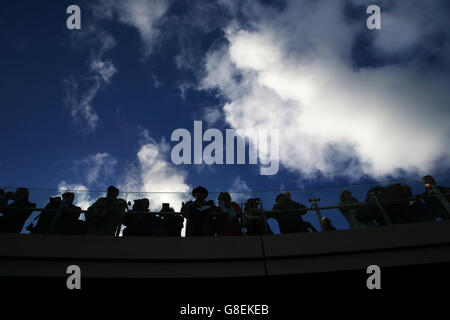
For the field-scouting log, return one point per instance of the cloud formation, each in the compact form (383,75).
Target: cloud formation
(154,173)
(212,115)
(143,15)
(294,70)
(242,191)
(81,91)
(98,167)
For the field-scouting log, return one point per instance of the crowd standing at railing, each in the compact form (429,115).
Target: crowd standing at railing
(393,204)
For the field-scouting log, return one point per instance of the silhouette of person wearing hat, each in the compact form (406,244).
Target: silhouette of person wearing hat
(199,214)
(139,221)
(289,221)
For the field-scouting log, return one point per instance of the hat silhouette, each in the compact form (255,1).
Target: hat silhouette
(200,189)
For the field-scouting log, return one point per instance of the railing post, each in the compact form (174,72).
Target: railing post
(119,227)
(242,219)
(386,219)
(314,205)
(264,218)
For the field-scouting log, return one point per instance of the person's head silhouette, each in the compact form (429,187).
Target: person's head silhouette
(68,197)
(428,181)
(112,192)
(200,193)
(21,195)
(141,204)
(346,196)
(224,197)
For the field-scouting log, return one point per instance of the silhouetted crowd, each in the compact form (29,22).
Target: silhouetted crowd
(393,204)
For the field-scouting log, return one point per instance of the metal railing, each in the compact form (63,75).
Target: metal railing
(374,202)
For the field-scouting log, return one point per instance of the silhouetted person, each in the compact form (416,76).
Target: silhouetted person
(105,215)
(173,222)
(326,224)
(357,217)
(139,221)
(67,219)
(434,196)
(289,221)
(227,223)
(4,198)
(16,213)
(394,198)
(254,218)
(199,214)
(45,217)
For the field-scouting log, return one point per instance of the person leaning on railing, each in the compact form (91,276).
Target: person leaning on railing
(46,216)
(59,216)
(139,221)
(173,222)
(198,214)
(289,221)
(357,217)
(104,216)
(67,220)
(227,224)
(4,198)
(254,218)
(436,198)
(16,213)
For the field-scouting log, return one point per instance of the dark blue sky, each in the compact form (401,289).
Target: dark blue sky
(159,65)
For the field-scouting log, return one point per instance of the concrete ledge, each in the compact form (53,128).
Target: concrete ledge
(399,245)
(138,248)
(396,245)
(133,257)
(394,236)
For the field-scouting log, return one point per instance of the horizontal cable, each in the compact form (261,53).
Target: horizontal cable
(240,191)
(361,204)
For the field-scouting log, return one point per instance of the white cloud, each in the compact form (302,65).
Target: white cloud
(80,104)
(159,180)
(163,181)
(212,115)
(184,88)
(140,14)
(293,72)
(242,191)
(239,185)
(105,69)
(99,166)
(79,98)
